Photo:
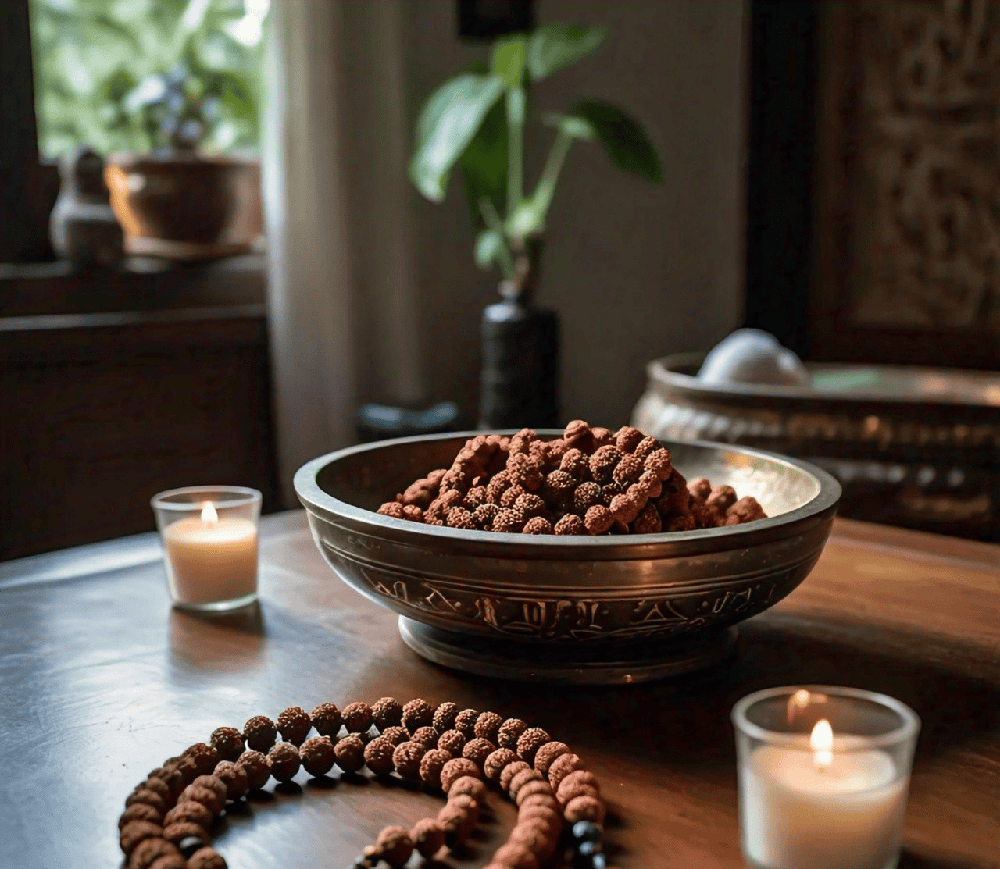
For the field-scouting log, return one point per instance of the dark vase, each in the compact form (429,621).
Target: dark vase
(519,383)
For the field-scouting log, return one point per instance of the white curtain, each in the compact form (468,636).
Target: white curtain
(341,294)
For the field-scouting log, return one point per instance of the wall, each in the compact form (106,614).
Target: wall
(636,272)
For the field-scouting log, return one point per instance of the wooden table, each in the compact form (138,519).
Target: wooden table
(101,681)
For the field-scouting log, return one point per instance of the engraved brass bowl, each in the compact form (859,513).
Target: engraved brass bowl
(588,610)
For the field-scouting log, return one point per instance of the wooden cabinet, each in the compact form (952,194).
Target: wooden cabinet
(114,387)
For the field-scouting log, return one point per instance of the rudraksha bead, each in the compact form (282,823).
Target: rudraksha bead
(537,525)
(204,756)
(428,837)
(357,717)
(627,438)
(562,766)
(294,725)
(234,777)
(454,769)
(228,742)
(326,719)
(427,735)
(542,815)
(395,734)
(186,768)
(509,732)
(598,519)
(378,756)
(148,851)
(140,812)
(530,741)
(147,796)
(431,765)
(570,525)
(189,813)
(539,786)
(181,830)
(394,845)
(407,757)
(350,753)
(465,803)
(417,713)
(318,755)
(465,722)
(173,777)
(453,741)
(477,750)
(458,824)
(547,754)
(579,777)
(214,784)
(515,855)
(387,712)
(444,716)
(521,779)
(152,783)
(168,861)
(259,733)
(201,794)
(206,858)
(511,770)
(585,808)
(135,832)
(468,786)
(257,767)
(495,763)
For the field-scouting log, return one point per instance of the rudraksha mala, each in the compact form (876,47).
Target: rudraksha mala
(167,817)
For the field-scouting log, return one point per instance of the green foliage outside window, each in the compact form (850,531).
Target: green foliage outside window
(143,75)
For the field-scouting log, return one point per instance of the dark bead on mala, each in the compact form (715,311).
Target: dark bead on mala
(586,831)
(189,845)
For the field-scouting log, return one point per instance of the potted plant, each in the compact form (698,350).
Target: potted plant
(162,89)
(476,122)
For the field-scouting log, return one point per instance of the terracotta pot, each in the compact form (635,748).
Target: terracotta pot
(185,206)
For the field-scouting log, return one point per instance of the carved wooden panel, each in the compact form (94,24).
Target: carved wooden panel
(908,183)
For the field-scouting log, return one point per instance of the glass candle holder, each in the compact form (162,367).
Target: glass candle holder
(209,536)
(823,777)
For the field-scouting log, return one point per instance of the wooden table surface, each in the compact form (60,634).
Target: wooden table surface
(101,681)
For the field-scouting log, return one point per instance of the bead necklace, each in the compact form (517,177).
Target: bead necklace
(167,817)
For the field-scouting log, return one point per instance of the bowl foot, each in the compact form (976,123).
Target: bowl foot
(593,664)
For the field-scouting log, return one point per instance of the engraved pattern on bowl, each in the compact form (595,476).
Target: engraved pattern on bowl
(549,589)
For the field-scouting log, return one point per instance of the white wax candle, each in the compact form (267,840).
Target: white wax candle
(797,815)
(211,561)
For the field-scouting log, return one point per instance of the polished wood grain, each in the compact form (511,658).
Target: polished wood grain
(101,681)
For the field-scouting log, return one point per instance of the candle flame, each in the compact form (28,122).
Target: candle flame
(821,742)
(208,513)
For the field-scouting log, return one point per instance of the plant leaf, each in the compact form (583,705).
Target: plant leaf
(448,122)
(507,60)
(553,46)
(623,138)
(487,247)
(484,164)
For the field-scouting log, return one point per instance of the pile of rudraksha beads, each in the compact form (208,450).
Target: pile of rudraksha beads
(168,816)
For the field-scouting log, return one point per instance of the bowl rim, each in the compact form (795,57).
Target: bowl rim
(325,505)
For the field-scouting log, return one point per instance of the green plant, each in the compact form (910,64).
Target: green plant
(477,120)
(141,75)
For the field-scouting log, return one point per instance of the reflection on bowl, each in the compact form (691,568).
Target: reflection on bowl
(589,609)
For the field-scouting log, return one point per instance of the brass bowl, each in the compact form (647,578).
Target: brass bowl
(570,609)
